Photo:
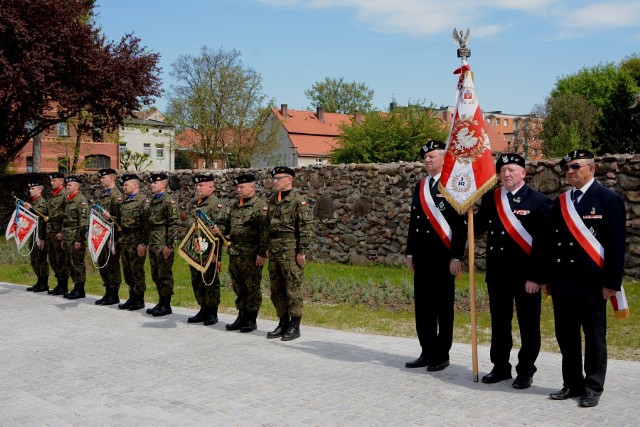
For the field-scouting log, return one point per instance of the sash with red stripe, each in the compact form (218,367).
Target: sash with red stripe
(580,232)
(510,222)
(437,220)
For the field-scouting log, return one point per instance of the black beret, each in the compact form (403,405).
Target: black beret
(509,158)
(54,175)
(282,169)
(129,176)
(243,178)
(576,155)
(430,146)
(72,178)
(107,171)
(205,177)
(160,176)
(34,183)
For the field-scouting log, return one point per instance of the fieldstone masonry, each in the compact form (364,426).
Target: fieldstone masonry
(362,210)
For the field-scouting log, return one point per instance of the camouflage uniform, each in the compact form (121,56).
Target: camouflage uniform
(57,260)
(39,257)
(74,229)
(110,200)
(162,231)
(134,213)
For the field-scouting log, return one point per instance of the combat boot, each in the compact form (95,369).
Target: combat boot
(212,317)
(165,307)
(35,286)
(237,324)
(78,292)
(43,284)
(282,327)
(106,294)
(155,308)
(137,304)
(294,330)
(126,304)
(62,287)
(199,317)
(111,297)
(249,324)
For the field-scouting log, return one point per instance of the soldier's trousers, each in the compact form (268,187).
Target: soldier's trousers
(110,272)
(133,269)
(286,278)
(161,271)
(57,257)
(245,280)
(206,289)
(74,261)
(39,261)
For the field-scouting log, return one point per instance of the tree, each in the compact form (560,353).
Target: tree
(338,96)
(388,137)
(221,100)
(54,64)
(130,158)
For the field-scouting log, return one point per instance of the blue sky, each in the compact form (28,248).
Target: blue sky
(402,49)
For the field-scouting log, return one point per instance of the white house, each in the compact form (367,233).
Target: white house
(147,133)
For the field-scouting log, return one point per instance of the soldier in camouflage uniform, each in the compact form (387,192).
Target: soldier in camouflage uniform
(39,252)
(206,286)
(162,237)
(249,239)
(134,213)
(110,199)
(74,235)
(55,212)
(290,226)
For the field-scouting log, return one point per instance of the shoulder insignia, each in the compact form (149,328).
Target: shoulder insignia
(173,202)
(119,199)
(303,203)
(83,203)
(147,201)
(265,208)
(219,206)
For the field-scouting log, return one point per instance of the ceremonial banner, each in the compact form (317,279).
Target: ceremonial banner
(468,170)
(198,247)
(100,232)
(22,227)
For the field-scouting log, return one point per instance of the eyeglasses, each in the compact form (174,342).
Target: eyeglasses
(278,178)
(573,166)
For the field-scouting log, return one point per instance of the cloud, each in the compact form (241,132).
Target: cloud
(602,16)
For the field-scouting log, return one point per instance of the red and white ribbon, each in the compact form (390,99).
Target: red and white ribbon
(437,220)
(510,222)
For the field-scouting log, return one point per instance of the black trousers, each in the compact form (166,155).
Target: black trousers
(434,295)
(501,300)
(590,314)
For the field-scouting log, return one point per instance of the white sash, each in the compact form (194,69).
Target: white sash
(511,222)
(437,220)
(587,241)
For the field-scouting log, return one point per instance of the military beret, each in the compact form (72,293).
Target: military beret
(509,158)
(34,183)
(282,169)
(54,175)
(107,171)
(576,155)
(430,146)
(161,176)
(72,178)
(129,176)
(243,178)
(205,177)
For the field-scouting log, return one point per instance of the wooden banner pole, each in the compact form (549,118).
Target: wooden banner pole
(472,295)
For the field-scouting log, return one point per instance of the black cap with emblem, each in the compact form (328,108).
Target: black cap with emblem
(576,155)
(72,178)
(160,176)
(106,171)
(283,169)
(54,175)
(244,178)
(431,146)
(35,183)
(509,158)
(129,176)
(204,177)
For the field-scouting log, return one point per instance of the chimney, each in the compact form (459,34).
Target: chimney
(320,114)
(283,110)
(358,115)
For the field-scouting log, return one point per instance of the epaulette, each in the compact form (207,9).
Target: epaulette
(219,206)
(265,208)
(303,203)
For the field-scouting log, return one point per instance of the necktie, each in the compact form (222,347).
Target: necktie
(510,198)
(575,196)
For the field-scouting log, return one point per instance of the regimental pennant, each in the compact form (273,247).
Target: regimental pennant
(99,233)
(198,247)
(21,227)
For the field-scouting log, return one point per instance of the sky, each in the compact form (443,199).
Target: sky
(402,49)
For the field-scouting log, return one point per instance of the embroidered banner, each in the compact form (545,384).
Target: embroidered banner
(21,226)
(198,247)
(100,231)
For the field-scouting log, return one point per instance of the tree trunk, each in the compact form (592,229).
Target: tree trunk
(76,153)
(37,152)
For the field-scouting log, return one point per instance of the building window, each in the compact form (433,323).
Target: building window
(159,130)
(497,122)
(147,149)
(62,129)
(506,122)
(29,164)
(63,164)
(319,162)
(160,151)
(123,147)
(97,161)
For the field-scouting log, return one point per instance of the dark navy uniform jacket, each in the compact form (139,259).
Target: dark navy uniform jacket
(505,258)
(571,271)
(423,242)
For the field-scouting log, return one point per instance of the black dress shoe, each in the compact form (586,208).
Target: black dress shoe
(522,381)
(496,376)
(437,366)
(420,362)
(589,400)
(566,393)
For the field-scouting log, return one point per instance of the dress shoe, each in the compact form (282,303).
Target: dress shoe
(496,376)
(589,400)
(420,362)
(137,304)
(522,381)
(435,367)
(565,393)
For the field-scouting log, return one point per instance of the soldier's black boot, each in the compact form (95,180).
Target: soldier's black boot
(237,324)
(127,303)
(42,285)
(106,294)
(165,307)
(137,304)
(78,292)
(282,327)
(111,297)
(212,317)
(249,324)
(62,287)
(294,330)
(200,315)
(155,308)
(35,286)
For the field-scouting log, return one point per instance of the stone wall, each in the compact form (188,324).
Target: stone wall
(362,210)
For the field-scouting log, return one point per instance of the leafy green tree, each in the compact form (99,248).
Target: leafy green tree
(134,159)
(182,160)
(338,96)
(388,137)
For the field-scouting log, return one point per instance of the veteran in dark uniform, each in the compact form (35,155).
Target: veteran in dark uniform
(290,225)
(162,235)
(38,254)
(514,216)
(206,286)
(134,213)
(585,258)
(55,254)
(110,199)
(435,249)
(74,235)
(248,235)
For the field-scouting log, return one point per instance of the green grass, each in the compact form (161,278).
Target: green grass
(375,299)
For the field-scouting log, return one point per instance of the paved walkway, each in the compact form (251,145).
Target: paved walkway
(73,363)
